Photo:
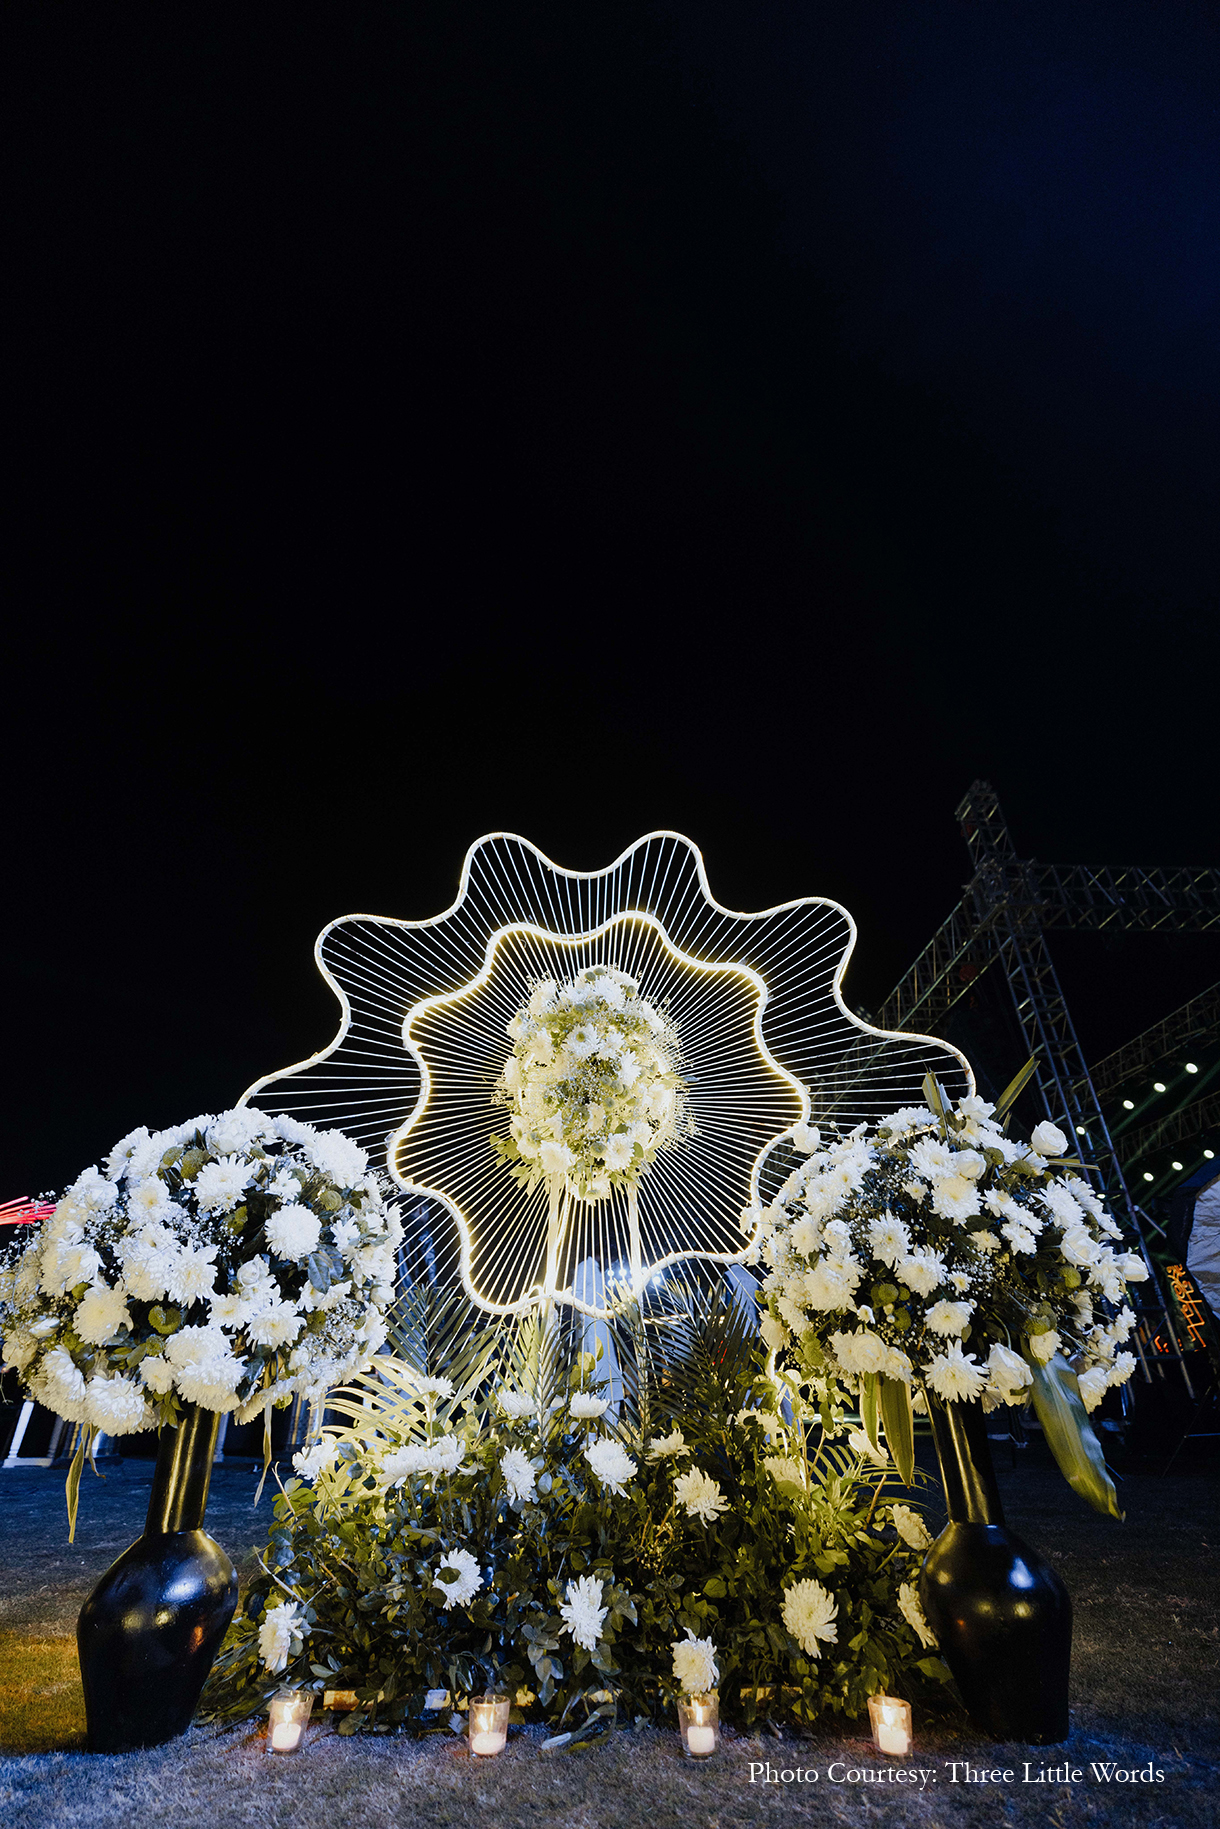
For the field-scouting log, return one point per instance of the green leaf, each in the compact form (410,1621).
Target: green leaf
(899,1426)
(1014,1089)
(715,1588)
(936,1668)
(870,1406)
(72,1486)
(1069,1434)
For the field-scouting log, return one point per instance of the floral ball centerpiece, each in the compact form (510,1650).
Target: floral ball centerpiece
(230,1263)
(592,1085)
(944,1253)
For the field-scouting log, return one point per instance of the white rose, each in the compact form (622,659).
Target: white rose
(1048,1139)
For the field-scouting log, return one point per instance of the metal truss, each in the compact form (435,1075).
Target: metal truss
(1179,1127)
(1196,1021)
(1002,916)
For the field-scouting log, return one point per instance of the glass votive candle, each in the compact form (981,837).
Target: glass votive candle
(699,1722)
(488,1724)
(289,1714)
(890,1719)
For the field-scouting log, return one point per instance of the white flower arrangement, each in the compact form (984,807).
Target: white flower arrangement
(230,1262)
(592,1085)
(941,1251)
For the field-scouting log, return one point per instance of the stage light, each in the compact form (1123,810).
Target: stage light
(1128,1104)
(1175,1165)
(1081,1131)
(1148,1176)
(1209,1153)
(1191,1068)
(1158,1085)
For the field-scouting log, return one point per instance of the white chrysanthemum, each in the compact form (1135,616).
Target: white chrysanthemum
(832,1283)
(807,1138)
(555,1158)
(695,1667)
(808,1612)
(583,1613)
(338,1156)
(1121,1370)
(1094,1383)
(949,1317)
(859,1352)
(446,1455)
(662,1445)
(955,1197)
(120,1156)
(515,1403)
(190,1273)
(220,1185)
(469,1578)
(157,1373)
(699,1495)
(911,1527)
(60,1387)
(400,1463)
(117,1405)
(276,1325)
(858,1441)
(585,1406)
(785,1471)
(923,1271)
(1007,1372)
(102,1312)
(518,1473)
(774,1333)
(931,1158)
(611,1463)
(280,1625)
(148,1199)
(889,1239)
(318,1458)
(1044,1346)
(911,1117)
(232,1133)
(617,1153)
(293,1231)
(913,1613)
(955,1375)
(434,1387)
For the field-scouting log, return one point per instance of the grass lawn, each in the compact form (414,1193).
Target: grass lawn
(1144,1693)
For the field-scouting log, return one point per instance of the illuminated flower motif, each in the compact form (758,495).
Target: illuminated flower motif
(913,1613)
(699,1495)
(911,1527)
(611,1463)
(584,1405)
(468,1580)
(785,1471)
(582,1613)
(518,1474)
(662,1445)
(280,1625)
(1048,1139)
(695,1668)
(808,1612)
(752,998)
(954,1375)
(317,1459)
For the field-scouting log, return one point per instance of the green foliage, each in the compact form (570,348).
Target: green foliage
(360,1551)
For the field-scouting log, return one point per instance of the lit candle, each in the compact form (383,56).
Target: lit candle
(288,1715)
(699,1721)
(890,1718)
(488,1724)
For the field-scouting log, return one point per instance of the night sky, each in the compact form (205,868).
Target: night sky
(756,420)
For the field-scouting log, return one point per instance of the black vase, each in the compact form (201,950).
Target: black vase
(149,1631)
(1001,1614)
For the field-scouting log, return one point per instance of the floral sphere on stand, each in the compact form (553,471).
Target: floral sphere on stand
(231,1263)
(592,1085)
(942,1252)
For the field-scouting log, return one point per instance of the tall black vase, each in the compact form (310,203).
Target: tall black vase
(1001,1614)
(149,1631)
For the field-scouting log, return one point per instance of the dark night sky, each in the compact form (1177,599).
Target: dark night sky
(579,419)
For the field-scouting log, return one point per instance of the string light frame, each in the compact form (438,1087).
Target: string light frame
(756,1002)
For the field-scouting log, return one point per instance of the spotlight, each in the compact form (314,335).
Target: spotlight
(1081,1131)
(1209,1153)
(1128,1104)
(1175,1165)
(1191,1068)
(1147,1176)
(1158,1085)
